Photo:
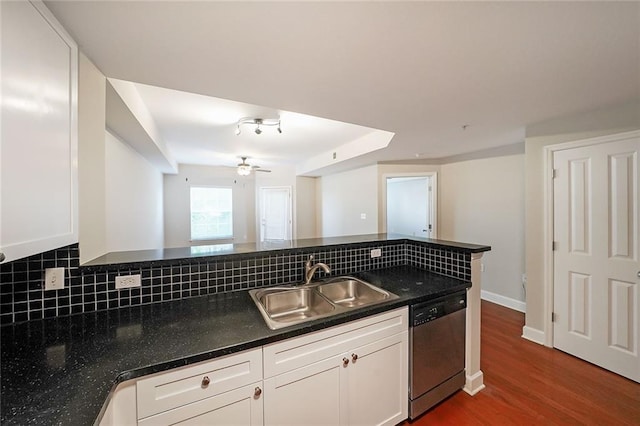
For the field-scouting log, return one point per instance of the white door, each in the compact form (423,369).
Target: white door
(275,213)
(596,263)
(409,206)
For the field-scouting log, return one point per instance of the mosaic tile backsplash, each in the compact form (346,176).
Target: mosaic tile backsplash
(23,298)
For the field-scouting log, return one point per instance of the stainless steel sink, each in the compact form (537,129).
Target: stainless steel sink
(294,304)
(351,292)
(285,306)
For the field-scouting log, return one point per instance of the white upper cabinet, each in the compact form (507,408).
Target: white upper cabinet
(39,122)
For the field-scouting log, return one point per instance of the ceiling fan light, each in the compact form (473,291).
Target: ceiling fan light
(244,170)
(258,131)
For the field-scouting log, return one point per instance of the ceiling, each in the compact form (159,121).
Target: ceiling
(200,129)
(421,70)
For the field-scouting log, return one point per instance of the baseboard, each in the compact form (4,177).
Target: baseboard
(503,301)
(474,383)
(533,335)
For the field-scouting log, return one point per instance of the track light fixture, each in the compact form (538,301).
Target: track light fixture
(258,122)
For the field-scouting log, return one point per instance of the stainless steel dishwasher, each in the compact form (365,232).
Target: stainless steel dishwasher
(436,348)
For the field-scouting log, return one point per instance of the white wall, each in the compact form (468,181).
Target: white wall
(344,197)
(91,161)
(305,205)
(177,226)
(134,216)
(482,201)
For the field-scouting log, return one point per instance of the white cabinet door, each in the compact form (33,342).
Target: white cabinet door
(38,150)
(377,382)
(240,407)
(306,396)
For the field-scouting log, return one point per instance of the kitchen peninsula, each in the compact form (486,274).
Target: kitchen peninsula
(63,370)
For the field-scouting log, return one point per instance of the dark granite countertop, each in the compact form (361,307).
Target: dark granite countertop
(124,259)
(61,371)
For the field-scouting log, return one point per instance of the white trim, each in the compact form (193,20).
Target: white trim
(434,199)
(474,383)
(548,152)
(503,301)
(533,335)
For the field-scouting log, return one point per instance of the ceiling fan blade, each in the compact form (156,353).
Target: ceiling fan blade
(263,170)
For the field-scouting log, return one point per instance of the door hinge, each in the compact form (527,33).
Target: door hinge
(429,189)
(553,317)
(554,173)
(554,246)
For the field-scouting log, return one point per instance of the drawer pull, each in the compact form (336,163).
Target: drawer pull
(205,381)
(354,357)
(257,392)
(345,361)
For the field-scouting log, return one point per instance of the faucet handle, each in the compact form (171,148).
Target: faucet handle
(308,262)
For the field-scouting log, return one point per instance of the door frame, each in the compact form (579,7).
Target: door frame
(382,224)
(548,284)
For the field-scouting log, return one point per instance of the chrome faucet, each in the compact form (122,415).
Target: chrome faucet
(309,270)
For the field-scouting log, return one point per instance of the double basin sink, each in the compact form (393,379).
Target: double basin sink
(285,306)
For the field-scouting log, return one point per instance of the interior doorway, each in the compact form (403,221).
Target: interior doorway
(275,214)
(410,206)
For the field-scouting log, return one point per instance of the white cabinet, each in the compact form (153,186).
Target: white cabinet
(38,150)
(241,407)
(352,374)
(377,382)
(308,395)
(225,390)
(355,374)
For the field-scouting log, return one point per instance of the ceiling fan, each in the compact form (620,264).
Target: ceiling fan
(244,169)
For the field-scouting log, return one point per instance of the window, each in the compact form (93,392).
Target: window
(211,213)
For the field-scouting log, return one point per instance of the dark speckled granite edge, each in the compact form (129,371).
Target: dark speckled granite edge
(171,256)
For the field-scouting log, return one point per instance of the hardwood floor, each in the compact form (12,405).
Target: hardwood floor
(527,383)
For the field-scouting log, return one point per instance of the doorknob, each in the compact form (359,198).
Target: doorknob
(638,274)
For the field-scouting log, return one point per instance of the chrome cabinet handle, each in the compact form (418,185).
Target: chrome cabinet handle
(345,361)
(205,381)
(257,392)
(354,357)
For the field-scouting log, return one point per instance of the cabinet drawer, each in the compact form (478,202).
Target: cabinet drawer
(294,353)
(241,407)
(168,390)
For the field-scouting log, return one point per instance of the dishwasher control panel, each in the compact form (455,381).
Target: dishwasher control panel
(428,311)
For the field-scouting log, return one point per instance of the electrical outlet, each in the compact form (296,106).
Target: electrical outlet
(363,215)
(482,268)
(54,278)
(128,281)
(376,253)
